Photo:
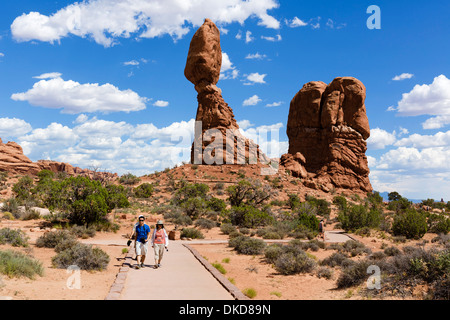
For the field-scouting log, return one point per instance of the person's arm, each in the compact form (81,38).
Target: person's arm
(166,238)
(153,238)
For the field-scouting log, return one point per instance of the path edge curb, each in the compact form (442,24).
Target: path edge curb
(231,288)
(118,285)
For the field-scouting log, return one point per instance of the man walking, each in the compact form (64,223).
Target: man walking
(142,232)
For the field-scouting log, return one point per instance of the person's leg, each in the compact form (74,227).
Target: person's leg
(161,253)
(156,255)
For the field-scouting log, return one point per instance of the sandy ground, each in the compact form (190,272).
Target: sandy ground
(53,285)
(252,272)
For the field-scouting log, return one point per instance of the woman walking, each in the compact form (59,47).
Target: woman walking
(160,241)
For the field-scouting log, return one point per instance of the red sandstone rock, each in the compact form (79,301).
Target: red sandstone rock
(219,130)
(328,125)
(14,161)
(204,59)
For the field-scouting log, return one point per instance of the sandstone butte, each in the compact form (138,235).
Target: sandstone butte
(327,130)
(219,129)
(13,160)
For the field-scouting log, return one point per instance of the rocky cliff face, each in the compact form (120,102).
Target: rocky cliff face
(217,136)
(13,160)
(329,127)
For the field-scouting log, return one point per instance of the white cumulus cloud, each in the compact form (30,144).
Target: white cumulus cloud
(73,97)
(252,101)
(105,21)
(403,76)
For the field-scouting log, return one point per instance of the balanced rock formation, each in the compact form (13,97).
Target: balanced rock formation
(217,136)
(329,127)
(13,160)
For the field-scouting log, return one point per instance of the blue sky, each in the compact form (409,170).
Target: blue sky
(101,83)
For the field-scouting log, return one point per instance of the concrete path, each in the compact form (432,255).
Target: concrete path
(336,236)
(181,277)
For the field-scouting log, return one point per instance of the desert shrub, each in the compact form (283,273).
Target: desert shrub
(336,259)
(323,206)
(399,205)
(83,231)
(216,204)
(354,274)
(23,188)
(411,224)
(354,248)
(305,216)
(273,252)
(144,190)
(248,192)
(189,191)
(294,262)
(340,202)
(438,223)
(250,292)
(192,233)
(16,238)
(392,251)
(116,197)
(177,217)
(379,255)
(227,228)
(65,244)
(324,272)
(8,215)
(11,205)
(84,256)
(374,199)
(293,201)
(17,264)
(53,238)
(205,223)
(129,179)
(355,217)
(194,207)
(442,290)
(219,267)
(30,214)
(246,245)
(250,217)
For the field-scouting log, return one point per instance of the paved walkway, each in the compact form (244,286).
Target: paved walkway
(182,276)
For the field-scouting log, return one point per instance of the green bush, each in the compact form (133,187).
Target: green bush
(340,202)
(84,256)
(250,292)
(273,252)
(355,217)
(354,274)
(129,179)
(336,259)
(17,264)
(324,272)
(250,217)
(83,231)
(192,233)
(227,228)
(305,216)
(323,206)
(411,224)
(23,188)
(216,204)
(293,201)
(438,223)
(219,267)
(246,245)
(145,190)
(248,192)
(16,238)
(205,223)
(294,262)
(53,238)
